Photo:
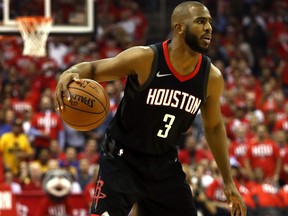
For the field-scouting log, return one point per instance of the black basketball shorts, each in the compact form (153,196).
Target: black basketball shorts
(156,183)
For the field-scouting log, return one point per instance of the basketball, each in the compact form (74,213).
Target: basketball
(88,107)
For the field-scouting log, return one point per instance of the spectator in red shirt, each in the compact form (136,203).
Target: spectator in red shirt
(10,180)
(7,197)
(238,146)
(55,150)
(284,170)
(263,152)
(253,124)
(282,123)
(22,63)
(187,154)
(20,103)
(265,195)
(202,151)
(46,125)
(252,108)
(34,183)
(270,119)
(281,139)
(11,51)
(282,72)
(284,197)
(240,111)
(215,193)
(90,152)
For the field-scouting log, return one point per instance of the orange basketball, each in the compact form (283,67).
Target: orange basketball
(88,107)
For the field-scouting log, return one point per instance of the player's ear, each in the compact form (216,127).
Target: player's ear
(179,28)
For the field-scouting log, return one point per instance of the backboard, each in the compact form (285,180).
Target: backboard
(69,16)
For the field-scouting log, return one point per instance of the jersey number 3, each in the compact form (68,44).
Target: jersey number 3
(169,119)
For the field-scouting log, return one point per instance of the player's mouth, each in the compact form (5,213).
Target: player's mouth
(207,38)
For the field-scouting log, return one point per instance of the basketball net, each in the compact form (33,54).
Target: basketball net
(34,32)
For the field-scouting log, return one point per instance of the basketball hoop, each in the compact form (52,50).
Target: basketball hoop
(34,32)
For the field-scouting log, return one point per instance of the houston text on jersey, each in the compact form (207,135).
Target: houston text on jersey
(173,98)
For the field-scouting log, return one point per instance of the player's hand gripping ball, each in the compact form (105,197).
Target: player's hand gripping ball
(88,107)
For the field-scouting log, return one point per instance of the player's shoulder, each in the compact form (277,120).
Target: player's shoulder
(215,73)
(136,55)
(141,50)
(215,81)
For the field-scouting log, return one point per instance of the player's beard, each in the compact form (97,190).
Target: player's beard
(193,42)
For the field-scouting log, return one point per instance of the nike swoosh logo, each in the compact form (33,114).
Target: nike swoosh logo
(162,75)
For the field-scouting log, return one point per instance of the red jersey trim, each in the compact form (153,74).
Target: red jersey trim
(176,74)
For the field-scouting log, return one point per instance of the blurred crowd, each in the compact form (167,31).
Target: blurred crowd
(249,46)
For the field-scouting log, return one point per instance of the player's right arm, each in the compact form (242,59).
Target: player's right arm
(136,60)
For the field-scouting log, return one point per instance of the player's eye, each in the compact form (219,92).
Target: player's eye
(200,21)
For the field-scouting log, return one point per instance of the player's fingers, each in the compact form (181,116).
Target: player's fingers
(233,210)
(243,210)
(58,100)
(242,207)
(65,93)
(56,104)
(237,211)
(76,79)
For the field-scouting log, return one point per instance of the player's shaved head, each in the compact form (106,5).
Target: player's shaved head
(182,11)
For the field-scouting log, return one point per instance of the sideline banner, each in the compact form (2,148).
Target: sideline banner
(28,204)
(7,201)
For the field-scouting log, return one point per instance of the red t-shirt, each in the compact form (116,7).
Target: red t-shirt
(89,192)
(215,191)
(267,195)
(281,124)
(50,123)
(19,105)
(31,186)
(234,123)
(202,153)
(238,149)
(263,154)
(22,63)
(7,201)
(246,194)
(1,169)
(93,159)
(284,157)
(284,195)
(184,156)
(49,207)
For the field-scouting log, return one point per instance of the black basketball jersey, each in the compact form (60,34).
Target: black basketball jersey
(151,117)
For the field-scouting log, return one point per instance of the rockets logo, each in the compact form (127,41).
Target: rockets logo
(97,192)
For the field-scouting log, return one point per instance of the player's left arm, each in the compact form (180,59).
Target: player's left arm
(216,137)
(215,131)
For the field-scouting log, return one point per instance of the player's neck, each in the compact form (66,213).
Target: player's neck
(182,58)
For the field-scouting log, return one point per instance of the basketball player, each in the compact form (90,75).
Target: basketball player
(167,84)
